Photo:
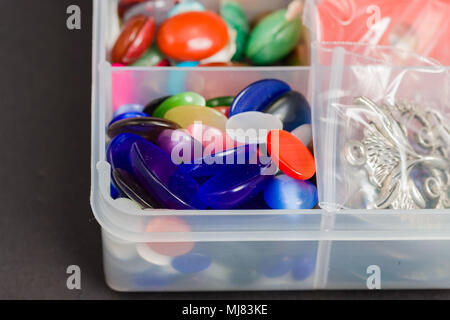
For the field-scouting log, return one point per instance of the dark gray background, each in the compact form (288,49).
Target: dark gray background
(46,222)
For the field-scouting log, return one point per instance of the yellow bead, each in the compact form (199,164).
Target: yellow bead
(187,115)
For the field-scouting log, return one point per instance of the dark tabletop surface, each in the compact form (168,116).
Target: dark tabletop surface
(46,223)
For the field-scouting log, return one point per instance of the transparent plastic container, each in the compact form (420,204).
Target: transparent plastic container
(248,249)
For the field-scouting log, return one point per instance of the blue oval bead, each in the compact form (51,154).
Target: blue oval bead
(258,96)
(215,163)
(292,109)
(191,262)
(131,107)
(303,266)
(157,173)
(277,266)
(127,115)
(188,64)
(117,153)
(233,186)
(284,192)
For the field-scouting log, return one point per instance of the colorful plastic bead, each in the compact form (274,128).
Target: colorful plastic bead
(124,5)
(303,133)
(133,190)
(234,15)
(303,266)
(284,192)
(145,127)
(186,6)
(152,105)
(187,115)
(180,145)
(258,96)
(182,99)
(292,109)
(192,36)
(191,262)
(252,126)
(117,153)
(290,155)
(220,101)
(274,37)
(213,139)
(156,172)
(127,115)
(157,9)
(226,53)
(131,107)
(169,224)
(152,57)
(224,110)
(134,40)
(233,186)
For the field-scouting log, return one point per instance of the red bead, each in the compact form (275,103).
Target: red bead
(136,37)
(290,155)
(124,5)
(224,110)
(192,36)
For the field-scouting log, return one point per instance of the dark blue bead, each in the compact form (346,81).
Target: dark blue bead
(258,95)
(292,109)
(117,153)
(284,192)
(303,266)
(127,115)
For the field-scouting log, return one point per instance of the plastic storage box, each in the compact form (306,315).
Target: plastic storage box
(253,249)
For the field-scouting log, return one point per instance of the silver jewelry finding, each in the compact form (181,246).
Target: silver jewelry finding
(410,169)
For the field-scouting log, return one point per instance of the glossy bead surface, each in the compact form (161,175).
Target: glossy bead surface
(145,127)
(124,5)
(180,145)
(134,39)
(212,139)
(258,96)
(235,16)
(186,6)
(181,99)
(220,101)
(187,115)
(130,107)
(128,115)
(169,224)
(224,110)
(284,192)
(304,134)
(290,155)
(133,190)
(273,38)
(292,109)
(192,36)
(191,262)
(252,127)
(152,105)
(157,173)
(150,58)
(233,186)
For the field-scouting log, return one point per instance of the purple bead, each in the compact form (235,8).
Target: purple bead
(157,173)
(215,163)
(183,145)
(258,96)
(303,266)
(146,127)
(132,107)
(127,115)
(233,186)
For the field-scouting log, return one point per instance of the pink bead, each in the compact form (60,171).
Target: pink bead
(212,139)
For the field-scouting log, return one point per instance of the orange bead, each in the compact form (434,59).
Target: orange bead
(290,155)
(136,37)
(223,109)
(192,36)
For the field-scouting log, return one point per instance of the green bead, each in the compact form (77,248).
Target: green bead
(234,15)
(220,102)
(181,99)
(273,38)
(150,58)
